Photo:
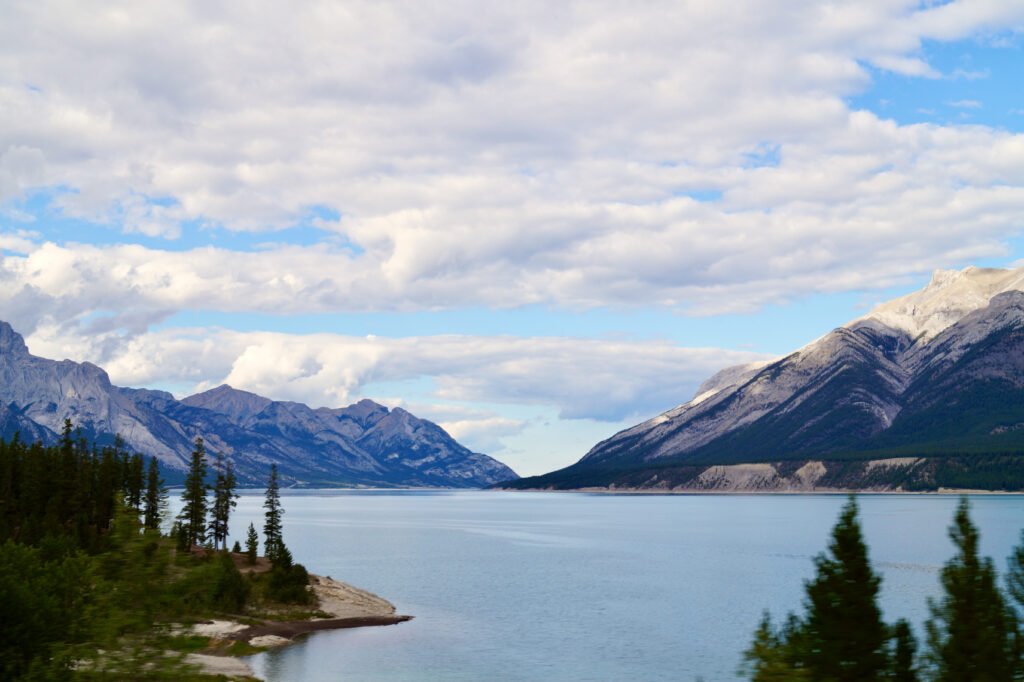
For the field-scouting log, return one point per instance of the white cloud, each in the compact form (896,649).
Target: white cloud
(496,155)
(484,434)
(868,206)
(581,378)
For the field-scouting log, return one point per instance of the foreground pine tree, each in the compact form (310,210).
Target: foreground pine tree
(971,634)
(904,667)
(844,635)
(841,636)
(774,656)
(1015,577)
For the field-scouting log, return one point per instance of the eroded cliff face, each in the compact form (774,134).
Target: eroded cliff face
(891,474)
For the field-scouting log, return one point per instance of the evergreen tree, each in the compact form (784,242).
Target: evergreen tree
(1015,576)
(904,651)
(845,636)
(224,500)
(156,495)
(193,510)
(841,636)
(134,482)
(970,632)
(272,526)
(252,543)
(773,656)
(1015,589)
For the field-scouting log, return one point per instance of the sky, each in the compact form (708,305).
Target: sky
(535,223)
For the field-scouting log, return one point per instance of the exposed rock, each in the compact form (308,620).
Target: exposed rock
(937,372)
(365,444)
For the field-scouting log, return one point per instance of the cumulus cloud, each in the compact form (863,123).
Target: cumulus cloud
(581,378)
(484,434)
(497,154)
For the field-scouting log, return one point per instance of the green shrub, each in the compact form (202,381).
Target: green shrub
(216,584)
(287,584)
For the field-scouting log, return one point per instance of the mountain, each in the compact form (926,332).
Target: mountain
(365,444)
(927,384)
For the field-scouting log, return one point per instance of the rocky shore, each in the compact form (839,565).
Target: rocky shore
(339,605)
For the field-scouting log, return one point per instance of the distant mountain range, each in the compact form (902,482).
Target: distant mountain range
(365,444)
(925,391)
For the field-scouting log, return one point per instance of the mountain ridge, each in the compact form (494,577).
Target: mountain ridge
(311,446)
(938,372)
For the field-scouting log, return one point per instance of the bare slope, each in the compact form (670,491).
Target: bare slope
(365,444)
(937,372)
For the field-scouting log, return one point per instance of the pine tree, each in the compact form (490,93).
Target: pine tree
(904,651)
(1015,576)
(224,500)
(272,526)
(252,544)
(193,510)
(845,636)
(841,636)
(772,655)
(134,482)
(970,632)
(155,497)
(1015,590)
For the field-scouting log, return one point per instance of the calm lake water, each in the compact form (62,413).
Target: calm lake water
(548,586)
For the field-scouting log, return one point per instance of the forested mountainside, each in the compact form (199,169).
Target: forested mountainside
(929,386)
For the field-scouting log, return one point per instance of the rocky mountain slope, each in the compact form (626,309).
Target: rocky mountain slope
(365,444)
(937,373)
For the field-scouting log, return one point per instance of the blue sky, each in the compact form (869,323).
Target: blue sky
(535,226)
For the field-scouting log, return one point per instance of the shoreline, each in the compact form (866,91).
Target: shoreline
(345,606)
(726,491)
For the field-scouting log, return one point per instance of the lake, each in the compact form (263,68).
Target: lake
(569,586)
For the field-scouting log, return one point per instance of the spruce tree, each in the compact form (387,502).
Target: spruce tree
(904,668)
(154,498)
(224,500)
(841,636)
(1015,589)
(134,482)
(844,633)
(272,526)
(1015,576)
(252,544)
(970,632)
(774,655)
(193,510)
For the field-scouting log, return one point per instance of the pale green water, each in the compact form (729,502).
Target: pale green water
(539,586)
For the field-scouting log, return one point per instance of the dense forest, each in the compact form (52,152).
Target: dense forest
(90,588)
(975,632)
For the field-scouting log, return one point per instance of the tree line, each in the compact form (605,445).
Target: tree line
(70,490)
(975,632)
(205,522)
(87,576)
